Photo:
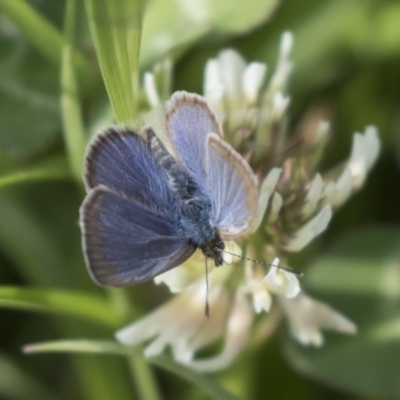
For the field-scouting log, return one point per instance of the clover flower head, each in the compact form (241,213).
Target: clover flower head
(296,202)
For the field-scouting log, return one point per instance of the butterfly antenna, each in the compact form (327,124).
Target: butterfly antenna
(287,269)
(207,308)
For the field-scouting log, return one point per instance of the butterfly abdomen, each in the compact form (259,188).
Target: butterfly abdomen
(179,179)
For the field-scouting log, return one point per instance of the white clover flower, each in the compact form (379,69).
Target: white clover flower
(307,317)
(363,155)
(296,202)
(276,282)
(252,80)
(309,231)
(232,89)
(281,282)
(276,205)
(213,86)
(179,321)
(237,332)
(284,65)
(181,324)
(313,197)
(266,191)
(151,90)
(231,68)
(262,298)
(365,150)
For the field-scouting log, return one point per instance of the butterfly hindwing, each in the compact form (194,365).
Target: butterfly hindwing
(233,187)
(126,243)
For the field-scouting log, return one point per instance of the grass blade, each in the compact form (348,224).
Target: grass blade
(54,168)
(105,347)
(116,28)
(74,131)
(60,302)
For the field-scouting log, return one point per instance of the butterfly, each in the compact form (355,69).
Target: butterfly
(150,205)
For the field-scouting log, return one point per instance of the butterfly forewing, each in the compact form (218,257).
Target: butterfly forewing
(233,188)
(188,121)
(121,160)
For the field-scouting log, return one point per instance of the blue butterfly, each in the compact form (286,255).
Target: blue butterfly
(147,209)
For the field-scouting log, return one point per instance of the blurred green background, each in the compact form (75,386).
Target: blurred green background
(346,69)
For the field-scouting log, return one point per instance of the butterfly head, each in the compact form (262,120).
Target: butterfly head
(214,249)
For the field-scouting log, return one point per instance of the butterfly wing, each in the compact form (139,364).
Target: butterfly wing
(121,160)
(215,166)
(188,121)
(129,217)
(126,243)
(233,185)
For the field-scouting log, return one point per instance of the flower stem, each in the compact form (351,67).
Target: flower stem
(141,372)
(143,378)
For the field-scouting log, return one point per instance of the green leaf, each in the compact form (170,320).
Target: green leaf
(17,384)
(74,131)
(59,302)
(116,28)
(360,277)
(79,346)
(381,39)
(169,24)
(141,372)
(104,347)
(40,32)
(203,382)
(38,233)
(43,35)
(53,168)
(29,100)
(90,370)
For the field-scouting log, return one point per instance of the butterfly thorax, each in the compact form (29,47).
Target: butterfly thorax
(195,208)
(196,215)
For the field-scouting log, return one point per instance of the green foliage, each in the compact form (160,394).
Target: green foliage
(80,305)
(103,347)
(360,275)
(346,62)
(116,29)
(176,25)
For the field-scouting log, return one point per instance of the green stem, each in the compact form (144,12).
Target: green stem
(121,304)
(74,131)
(143,378)
(141,371)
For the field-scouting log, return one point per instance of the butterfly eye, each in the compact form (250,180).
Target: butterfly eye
(219,247)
